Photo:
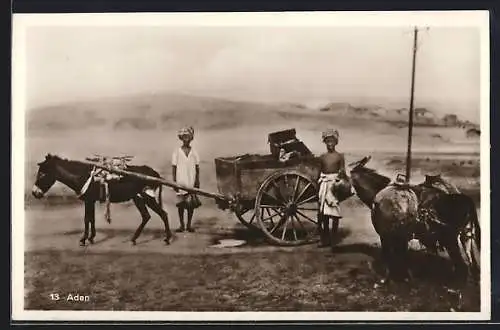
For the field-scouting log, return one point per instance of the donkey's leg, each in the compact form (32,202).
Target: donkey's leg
(387,257)
(85,232)
(450,242)
(86,219)
(141,206)
(455,286)
(153,204)
(92,222)
(401,255)
(394,253)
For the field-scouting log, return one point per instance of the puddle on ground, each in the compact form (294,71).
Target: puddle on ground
(228,243)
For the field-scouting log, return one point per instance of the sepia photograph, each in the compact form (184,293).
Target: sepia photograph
(251,166)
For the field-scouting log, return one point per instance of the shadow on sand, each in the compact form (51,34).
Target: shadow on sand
(423,265)
(107,234)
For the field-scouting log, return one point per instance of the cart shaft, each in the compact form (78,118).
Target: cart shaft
(159,180)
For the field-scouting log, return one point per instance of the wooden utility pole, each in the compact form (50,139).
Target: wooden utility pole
(410,112)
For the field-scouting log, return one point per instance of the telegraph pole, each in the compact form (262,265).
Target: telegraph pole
(410,112)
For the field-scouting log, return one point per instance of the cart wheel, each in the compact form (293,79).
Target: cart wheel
(246,215)
(286,208)
(469,240)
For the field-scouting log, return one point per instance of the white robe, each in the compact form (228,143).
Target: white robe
(328,203)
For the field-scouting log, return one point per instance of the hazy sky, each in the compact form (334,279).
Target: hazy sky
(308,64)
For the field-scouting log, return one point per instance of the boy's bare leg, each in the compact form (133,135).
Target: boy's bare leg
(334,230)
(326,224)
(320,226)
(190,212)
(181,219)
(324,233)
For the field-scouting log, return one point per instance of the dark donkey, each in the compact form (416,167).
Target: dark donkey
(76,175)
(397,218)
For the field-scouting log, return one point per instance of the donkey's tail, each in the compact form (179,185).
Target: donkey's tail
(475,224)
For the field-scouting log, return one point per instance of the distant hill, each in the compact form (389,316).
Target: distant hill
(155,111)
(170,111)
(422,116)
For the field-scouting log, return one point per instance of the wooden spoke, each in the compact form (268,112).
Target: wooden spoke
(307,208)
(287,184)
(284,229)
(296,188)
(245,211)
(247,218)
(303,191)
(300,223)
(277,213)
(269,195)
(278,189)
(270,206)
(277,225)
(305,216)
(309,199)
(293,228)
(271,216)
(252,218)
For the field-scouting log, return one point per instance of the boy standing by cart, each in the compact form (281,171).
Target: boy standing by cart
(332,182)
(186,172)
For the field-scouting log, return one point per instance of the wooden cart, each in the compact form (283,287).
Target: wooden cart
(278,197)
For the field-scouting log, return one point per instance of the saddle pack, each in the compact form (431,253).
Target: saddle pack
(437,181)
(427,215)
(103,177)
(120,163)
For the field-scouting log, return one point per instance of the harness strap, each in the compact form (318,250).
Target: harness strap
(87,183)
(107,212)
(438,222)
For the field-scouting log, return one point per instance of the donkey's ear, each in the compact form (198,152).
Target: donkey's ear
(360,163)
(364,161)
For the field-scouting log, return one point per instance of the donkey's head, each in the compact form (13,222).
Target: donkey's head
(45,177)
(366,181)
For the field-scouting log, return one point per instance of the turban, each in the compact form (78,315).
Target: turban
(186,131)
(330,133)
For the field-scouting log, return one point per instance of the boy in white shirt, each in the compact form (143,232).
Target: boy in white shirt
(186,172)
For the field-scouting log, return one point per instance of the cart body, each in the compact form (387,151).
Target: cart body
(276,193)
(242,176)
